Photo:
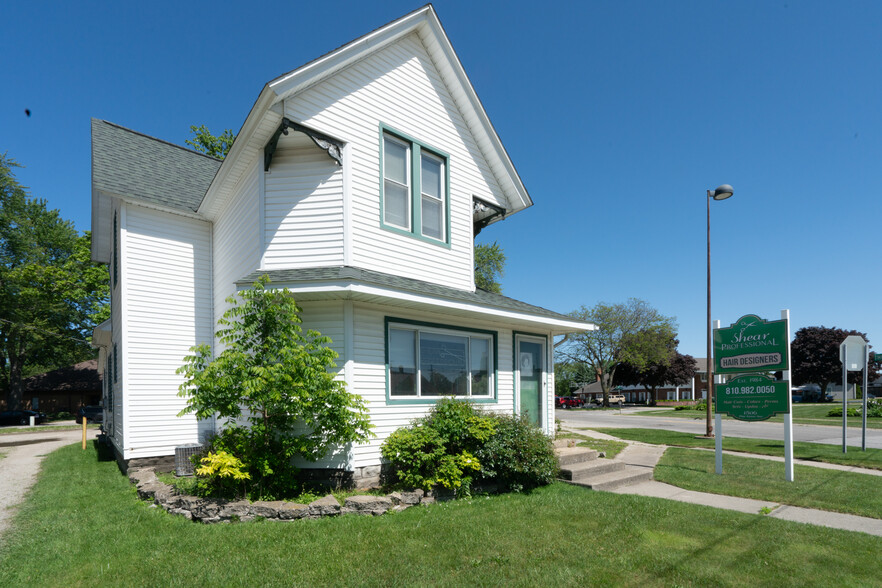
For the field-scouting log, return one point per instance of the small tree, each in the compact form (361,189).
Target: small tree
(292,403)
(209,144)
(632,332)
(489,267)
(815,357)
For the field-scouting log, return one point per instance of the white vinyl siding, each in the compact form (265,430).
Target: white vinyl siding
(237,239)
(167,284)
(369,375)
(303,210)
(399,86)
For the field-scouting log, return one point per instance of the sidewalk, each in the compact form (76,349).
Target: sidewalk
(644,455)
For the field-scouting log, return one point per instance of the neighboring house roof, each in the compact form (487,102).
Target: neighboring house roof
(81,377)
(339,278)
(132,165)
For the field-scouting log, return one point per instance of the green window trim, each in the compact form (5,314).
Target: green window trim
(415,195)
(441,329)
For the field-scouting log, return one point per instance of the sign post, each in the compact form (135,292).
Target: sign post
(854,353)
(752,348)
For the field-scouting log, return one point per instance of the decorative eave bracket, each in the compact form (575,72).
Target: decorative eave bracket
(333,147)
(484,213)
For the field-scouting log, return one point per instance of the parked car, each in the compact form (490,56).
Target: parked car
(567,402)
(21,417)
(613,399)
(93,414)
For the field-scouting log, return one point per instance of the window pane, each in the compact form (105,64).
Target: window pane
(430,176)
(396,203)
(402,362)
(394,161)
(480,366)
(443,365)
(432,218)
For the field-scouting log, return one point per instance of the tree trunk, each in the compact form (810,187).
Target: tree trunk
(16,387)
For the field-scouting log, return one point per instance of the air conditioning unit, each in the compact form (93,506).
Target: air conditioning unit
(183,465)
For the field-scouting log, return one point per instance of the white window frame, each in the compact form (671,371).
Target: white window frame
(418,328)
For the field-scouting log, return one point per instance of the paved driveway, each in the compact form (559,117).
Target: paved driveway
(629,417)
(18,469)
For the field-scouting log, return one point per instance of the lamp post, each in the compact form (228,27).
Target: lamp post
(721,193)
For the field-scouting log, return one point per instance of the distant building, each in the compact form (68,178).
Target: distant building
(64,389)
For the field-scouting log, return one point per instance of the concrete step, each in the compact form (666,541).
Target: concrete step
(571,455)
(590,469)
(612,480)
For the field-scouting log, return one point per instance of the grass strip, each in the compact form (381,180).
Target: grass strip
(609,447)
(803,414)
(760,479)
(821,452)
(82,525)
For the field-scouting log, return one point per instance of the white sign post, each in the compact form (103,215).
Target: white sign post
(853,353)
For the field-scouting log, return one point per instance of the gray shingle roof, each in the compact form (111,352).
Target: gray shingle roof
(129,164)
(347,273)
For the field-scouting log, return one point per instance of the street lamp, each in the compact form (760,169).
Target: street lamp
(721,193)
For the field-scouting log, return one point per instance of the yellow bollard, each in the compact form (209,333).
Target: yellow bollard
(84,431)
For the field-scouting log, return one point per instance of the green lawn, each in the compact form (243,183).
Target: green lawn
(870,459)
(82,525)
(804,414)
(44,428)
(760,479)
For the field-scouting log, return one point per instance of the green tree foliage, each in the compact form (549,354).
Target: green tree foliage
(632,332)
(569,375)
(489,267)
(215,145)
(676,370)
(51,293)
(278,380)
(814,357)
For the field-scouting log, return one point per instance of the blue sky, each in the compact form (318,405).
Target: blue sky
(618,115)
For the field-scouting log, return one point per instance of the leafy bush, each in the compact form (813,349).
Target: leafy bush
(837,412)
(455,441)
(518,456)
(221,474)
(280,380)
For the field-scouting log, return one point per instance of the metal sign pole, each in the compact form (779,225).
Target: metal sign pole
(864,394)
(845,401)
(718,418)
(788,418)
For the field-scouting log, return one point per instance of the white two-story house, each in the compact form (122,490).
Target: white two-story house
(357,181)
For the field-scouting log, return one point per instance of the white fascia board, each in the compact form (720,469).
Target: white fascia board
(134,201)
(477,117)
(242,148)
(324,66)
(355,291)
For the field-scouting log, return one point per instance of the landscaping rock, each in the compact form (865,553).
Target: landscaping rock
(367,505)
(324,507)
(290,511)
(237,510)
(408,498)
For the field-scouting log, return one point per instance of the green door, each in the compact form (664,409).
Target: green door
(530,358)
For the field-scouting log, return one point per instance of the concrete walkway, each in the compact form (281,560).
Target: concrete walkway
(645,455)
(21,464)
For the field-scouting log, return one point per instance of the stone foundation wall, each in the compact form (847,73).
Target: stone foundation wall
(224,511)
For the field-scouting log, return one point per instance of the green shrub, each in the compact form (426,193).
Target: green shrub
(455,442)
(221,474)
(683,407)
(837,412)
(519,456)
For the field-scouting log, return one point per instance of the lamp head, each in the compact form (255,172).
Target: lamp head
(722,192)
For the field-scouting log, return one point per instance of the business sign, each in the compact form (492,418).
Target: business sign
(751,344)
(752,397)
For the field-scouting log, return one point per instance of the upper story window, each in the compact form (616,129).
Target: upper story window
(415,188)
